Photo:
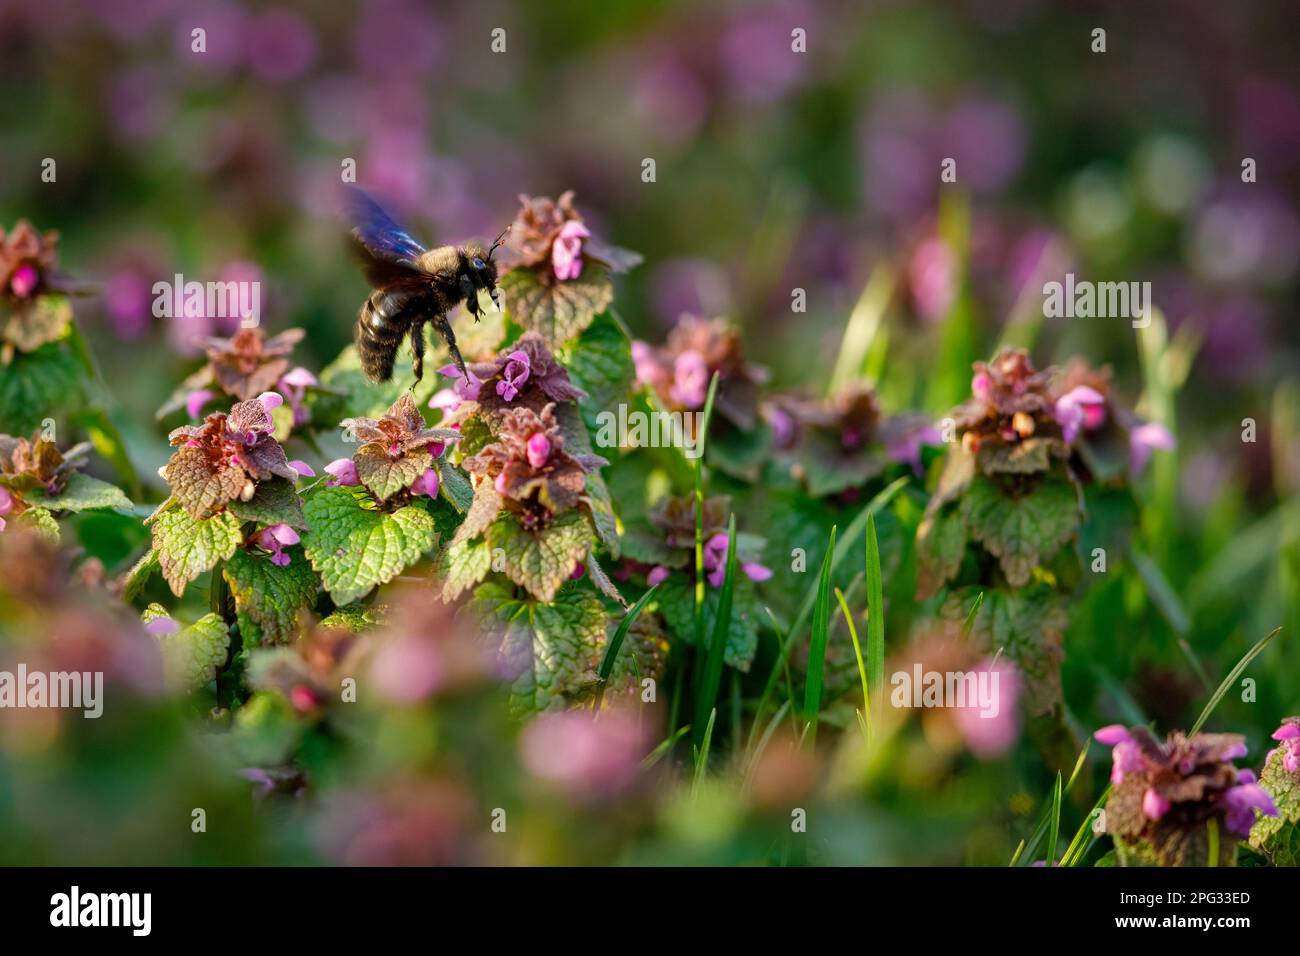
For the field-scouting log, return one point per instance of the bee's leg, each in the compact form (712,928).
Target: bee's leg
(470,295)
(417,349)
(443,326)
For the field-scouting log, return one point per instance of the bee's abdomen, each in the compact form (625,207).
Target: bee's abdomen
(379,331)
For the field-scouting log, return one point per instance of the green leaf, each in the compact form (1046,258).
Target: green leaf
(1021,530)
(384,475)
(600,363)
(1029,625)
(36,385)
(139,575)
(940,547)
(875,613)
(354,617)
(556,310)
(275,502)
(81,493)
(677,604)
(268,597)
(186,547)
(193,654)
(577,441)
(541,560)
(41,521)
(355,548)
(547,651)
(454,486)
(36,322)
(462,566)
(1231,680)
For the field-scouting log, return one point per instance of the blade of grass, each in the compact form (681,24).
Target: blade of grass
(864,324)
(1231,679)
(1040,831)
(862,670)
(1077,849)
(763,741)
(664,747)
(858,524)
(1212,849)
(699,509)
(875,613)
(1054,827)
(812,697)
(702,753)
(969,624)
(616,642)
(1166,600)
(715,654)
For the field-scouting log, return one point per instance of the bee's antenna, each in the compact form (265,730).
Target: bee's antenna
(500,239)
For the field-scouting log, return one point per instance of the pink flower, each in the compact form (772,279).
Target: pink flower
(162,626)
(1125,755)
(715,563)
(1143,439)
(271,401)
(514,375)
(6,505)
(195,401)
(690,385)
(991,727)
(275,539)
(294,383)
(539,450)
(648,370)
(566,251)
(24,280)
(302,468)
(426,484)
(466,388)
(981,387)
(1154,805)
(933,276)
(1080,407)
(590,756)
(407,669)
(1243,800)
(578,571)
(342,471)
(907,448)
(446,400)
(1289,737)
(657,575)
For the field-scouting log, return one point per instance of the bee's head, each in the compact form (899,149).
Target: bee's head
(478,262)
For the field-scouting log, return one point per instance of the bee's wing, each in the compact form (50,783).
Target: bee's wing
(377,234)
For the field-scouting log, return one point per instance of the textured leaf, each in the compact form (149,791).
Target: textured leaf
(36,385)
(641,542)
(484,510)
(193,654)
(541,560)
(676,598)
(355,617)
(385,475)
(35,322)
(1028,625)
(941,545)
(454,486)
(268,597)
(196,486)
(186,547)
(139,575)
(1279,837)
(738,452)
(355,548)
(82,493)
(557,311)
(600,363)
(462,566)
(829,468)
(41,521)
(1022,457)
(546,651)
(1023,529)
(577,441)
(275,502)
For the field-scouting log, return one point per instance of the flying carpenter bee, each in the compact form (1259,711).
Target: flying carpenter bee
(411,285)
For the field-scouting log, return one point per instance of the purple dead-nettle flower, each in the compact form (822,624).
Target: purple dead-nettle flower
(445,400)
(341,471)
(1081,407)
(275,539)
(679,372)
(249,362)
(467,389)
(28,271)
(399,436)
(528,374)
(426,484)
(303,469)
(690,385)
(6,505)
(223,458)
(1146,438)
(514,375)
(566,253)
(715,563)
(195,401)
(1288,737)
(294,384)
(1166,793)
